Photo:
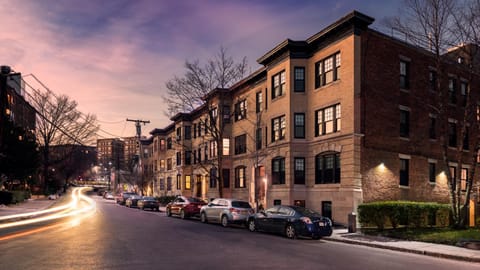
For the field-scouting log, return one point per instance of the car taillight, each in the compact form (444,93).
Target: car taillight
(233,210)
(307,220)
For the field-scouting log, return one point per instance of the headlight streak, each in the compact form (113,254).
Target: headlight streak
(72,209)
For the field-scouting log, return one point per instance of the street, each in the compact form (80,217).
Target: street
(117,237)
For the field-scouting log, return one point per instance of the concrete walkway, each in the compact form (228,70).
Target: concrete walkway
(436,250)
(339,235)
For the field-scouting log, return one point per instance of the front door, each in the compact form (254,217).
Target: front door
(327,209)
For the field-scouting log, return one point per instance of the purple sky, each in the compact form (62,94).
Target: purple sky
(114,56)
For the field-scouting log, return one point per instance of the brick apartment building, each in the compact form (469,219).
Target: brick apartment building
(329,122)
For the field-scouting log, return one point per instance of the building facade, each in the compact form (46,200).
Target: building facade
(344,117)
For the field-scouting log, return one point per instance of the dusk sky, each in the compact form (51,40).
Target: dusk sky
(114,56)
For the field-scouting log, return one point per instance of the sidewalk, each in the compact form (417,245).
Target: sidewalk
(435,250)
(29,205)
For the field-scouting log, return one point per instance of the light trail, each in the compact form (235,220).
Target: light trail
(79,204)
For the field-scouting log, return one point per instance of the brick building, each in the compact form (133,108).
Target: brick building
(344,117)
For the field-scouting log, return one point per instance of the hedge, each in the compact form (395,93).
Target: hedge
(12,197)
(406,213)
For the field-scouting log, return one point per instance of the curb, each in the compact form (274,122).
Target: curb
(420,252)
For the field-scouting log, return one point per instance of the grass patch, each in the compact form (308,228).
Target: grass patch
(446,236)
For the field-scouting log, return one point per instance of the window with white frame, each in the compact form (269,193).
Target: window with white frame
(278,84)
(327,70)
(328,120)
(278,128)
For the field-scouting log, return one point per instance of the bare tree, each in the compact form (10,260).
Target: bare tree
(205,87)
(186,93)
(437,25)
(59,123)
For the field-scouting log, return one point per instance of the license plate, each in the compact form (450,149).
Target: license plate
(321,223)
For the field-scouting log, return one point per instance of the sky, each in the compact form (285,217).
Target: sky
(113,57)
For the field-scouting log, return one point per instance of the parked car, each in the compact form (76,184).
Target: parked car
(132,200)
(108,195)
(122,197)
(226,211)
(185,207)
(291,221)
(148,202)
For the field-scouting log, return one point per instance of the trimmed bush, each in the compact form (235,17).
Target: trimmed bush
(395,213)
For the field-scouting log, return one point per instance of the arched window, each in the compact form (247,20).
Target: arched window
(327,168)
(278,171)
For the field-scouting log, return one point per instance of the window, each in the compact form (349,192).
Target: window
(169,143)
(188,132)
(240,177)
(404,75)
(162,164)
(327,70)
(466,139)
(226,146)
(327,168)
(188,182)
(206,151)
(277,202)
(213,116)
(226,114)
(432,79)
(453,174)
(299,171)
(452,91)
(188,157)
(179,182)
(299,125)
(432,173)
(404,172)
(169,164)
(278,84)
(463,92)
(278,171)
(213,149)
(404,123)
(162,184)
(199,155)
(194,131)
(258,138)
(299,79)
(241,110)
(452,134)
(278,128)
(213,177)
(259,102)
(226,178)
(432,130)
(328,120)
(169,183)
(241,144)
(179,134)
(463,179)
(194,154)
(179,159)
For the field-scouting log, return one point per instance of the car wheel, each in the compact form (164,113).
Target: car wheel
(169,213)
(251,225)
(224,221)
(290,231)
(203,217)
(183,215)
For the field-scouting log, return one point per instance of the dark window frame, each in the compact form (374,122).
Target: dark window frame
(404,172)
(279,128)
(299,171)
(323,68)
(278,171)
(321,120)
(328,168)
(299,128)
(299,79)
(404,123)
(241,144)
(282,81)
(240,177)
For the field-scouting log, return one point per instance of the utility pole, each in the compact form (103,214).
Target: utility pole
(138,126)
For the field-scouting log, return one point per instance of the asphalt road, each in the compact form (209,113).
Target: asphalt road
(117,237)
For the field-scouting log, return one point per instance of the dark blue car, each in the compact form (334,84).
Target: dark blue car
(291,221)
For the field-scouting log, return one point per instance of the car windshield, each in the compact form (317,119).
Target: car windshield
(241,204)
(194,200)
(306,212)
